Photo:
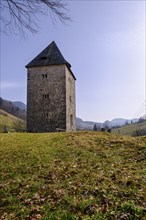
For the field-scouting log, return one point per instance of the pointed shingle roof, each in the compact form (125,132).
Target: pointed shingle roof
(51,55)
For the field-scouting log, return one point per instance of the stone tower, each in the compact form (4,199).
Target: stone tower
(50,92)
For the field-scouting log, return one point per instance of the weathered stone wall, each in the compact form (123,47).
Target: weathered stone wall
(46,98)
(70,102)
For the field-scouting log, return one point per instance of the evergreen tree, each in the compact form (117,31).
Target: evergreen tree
(95,127)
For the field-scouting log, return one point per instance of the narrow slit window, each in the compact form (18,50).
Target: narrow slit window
(71,120)
(70,98)
(28,76)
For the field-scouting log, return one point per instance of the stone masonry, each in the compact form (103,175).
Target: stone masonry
(50,93)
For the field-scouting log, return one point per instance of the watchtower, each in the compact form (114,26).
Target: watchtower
(50,92)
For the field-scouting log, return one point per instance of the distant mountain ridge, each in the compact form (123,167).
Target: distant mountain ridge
(88,125)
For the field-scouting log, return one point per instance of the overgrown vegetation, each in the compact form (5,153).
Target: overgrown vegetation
(70,176)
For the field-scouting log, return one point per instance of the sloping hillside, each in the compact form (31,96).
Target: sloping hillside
(11,108)
(72,176)
(135,129)
(21,105)
(10,122)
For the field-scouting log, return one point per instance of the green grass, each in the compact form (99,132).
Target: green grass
(69,176)
(130,129)
(11,122)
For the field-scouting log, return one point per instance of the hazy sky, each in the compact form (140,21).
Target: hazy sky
(104,43)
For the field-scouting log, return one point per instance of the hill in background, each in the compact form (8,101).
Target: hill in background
(134,129)
(17,109)
(20,105)
(10,122)
(88,125)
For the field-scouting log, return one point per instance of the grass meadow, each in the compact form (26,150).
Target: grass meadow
(72,176)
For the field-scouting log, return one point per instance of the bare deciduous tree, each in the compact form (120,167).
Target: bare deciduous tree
(22,15)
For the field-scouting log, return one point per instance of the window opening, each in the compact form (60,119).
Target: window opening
(43,58)
(45,114)
(45,96)
(44,76)
(70,98)
(28,76)
(71,120)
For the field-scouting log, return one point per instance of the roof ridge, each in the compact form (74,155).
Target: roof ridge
(51,55)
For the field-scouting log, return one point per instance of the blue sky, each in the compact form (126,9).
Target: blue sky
(105,44)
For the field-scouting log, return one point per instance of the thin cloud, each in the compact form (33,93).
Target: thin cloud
(11,85)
